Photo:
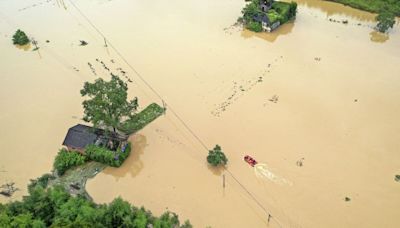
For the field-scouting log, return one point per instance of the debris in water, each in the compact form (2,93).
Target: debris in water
(47,41)
(300,162)
(347,199)
(274,99)
(317,58)
(355,100)
(83,43)
(397,178)
(8,189)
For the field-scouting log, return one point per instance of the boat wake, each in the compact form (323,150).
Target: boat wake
(263,172)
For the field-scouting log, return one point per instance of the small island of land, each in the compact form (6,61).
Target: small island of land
(267,15)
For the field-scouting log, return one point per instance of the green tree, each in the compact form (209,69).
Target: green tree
(216,157)
(107,104)
(118,213)
(66,160)
(386,20)
(20,38)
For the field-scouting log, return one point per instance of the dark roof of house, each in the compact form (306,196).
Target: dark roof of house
(261,18)
(79,136)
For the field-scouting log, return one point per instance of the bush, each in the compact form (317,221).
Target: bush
(66,160)
(254,26)
(20,38)
(106,156)
(386,20)
(216,157)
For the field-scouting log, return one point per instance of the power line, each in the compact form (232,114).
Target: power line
(171,109)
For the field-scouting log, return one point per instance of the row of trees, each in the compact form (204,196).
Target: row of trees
(54,207)
(68,159)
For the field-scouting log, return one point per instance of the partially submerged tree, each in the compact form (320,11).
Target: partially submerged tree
(107,104)
(386,20)
(216,157)
(20,38)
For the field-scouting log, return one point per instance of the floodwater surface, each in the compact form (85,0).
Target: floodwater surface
(316,102)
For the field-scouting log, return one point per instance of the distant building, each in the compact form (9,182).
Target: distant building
(80,136)
(266,5)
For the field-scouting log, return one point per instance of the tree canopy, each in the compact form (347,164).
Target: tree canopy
(386,20)
(216,157)
(20,38)
(107,104)
(54,207)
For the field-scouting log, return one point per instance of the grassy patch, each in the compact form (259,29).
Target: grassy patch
(140,120)
(74,180)
(374,6)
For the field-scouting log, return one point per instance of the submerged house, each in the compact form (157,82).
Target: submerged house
(80,136)
(267,24)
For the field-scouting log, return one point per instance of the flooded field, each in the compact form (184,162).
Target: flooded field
(317,102)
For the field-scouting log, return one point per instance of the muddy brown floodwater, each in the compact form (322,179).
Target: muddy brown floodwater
(316,91)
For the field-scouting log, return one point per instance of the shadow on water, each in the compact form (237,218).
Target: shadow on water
(132,165)
(25,47)
(216,170)
(272,36)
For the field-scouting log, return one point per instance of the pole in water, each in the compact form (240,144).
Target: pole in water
(223,180)
(269,218)
(164,106)
(105,42)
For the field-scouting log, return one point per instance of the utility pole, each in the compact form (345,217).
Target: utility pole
(105,42)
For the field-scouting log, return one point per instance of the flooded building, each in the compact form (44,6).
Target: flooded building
(80,136)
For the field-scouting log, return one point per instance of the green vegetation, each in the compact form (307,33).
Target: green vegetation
(280,11)
(254,26)
(106,156)
(54,207)
(107,103)
(20,38)
(374,6)
(386,20)
(42,181)
(66,160)
(216,157)
(140,120)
